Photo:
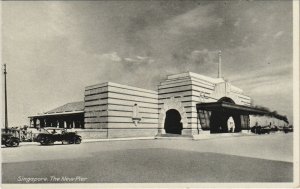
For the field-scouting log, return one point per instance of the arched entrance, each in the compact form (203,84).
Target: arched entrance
(219,119)
(173,123)
(168,104)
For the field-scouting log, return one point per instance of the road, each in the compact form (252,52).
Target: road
(260,158)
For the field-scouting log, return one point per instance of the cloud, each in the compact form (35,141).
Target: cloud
(278,34)
(254,20)
(204,56)
(139,60)
(237,23)
(113,56)
(274,72)
(199,18)
(138,43)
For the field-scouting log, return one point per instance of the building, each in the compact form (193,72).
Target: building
(188,104)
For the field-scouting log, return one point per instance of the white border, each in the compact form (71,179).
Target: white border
(296,124)
(296,70)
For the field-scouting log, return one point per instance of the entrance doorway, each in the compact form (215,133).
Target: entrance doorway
(172,122)
(230,124)
(222,121)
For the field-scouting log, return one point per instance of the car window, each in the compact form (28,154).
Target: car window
(58,131)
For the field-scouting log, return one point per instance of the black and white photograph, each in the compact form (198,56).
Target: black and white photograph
(169,93)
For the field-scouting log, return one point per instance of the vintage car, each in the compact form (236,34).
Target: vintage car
(274,128)
(260,129)
(51,135)
(9,140)
(287,129)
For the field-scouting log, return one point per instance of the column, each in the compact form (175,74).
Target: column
(42,122)
(82,124)
(34,122)
(161,120)
(199,126)
(47,121)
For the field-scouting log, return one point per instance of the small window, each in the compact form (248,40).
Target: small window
(135,112)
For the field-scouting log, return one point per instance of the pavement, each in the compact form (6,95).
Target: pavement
(95,140)
(167,137)
(253,158)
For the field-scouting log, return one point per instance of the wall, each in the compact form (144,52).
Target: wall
(124,111)
(95,106)
(188,89)
(111,107)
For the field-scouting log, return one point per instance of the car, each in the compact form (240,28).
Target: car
(260,129)
(274,128)
(9,140)
(51,135)
(287,129)
(265,129)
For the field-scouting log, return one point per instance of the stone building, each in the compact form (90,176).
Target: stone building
(186,104)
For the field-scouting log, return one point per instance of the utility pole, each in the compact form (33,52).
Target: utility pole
(5,100)
(219,66)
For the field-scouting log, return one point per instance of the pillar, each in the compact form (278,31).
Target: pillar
(42,122)
(48,123)
(34,122)
(82,123)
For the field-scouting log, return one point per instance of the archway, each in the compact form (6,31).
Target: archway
(219,119)
(173,123)
(226,99)
(168,104)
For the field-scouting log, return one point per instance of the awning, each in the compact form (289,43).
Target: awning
(230,108)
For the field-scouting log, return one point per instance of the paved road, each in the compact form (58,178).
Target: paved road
(264,158)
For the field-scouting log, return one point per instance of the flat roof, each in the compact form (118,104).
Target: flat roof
(237,109)
(57,114)
(231,108)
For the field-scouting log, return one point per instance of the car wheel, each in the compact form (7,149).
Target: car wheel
(71,141)
(77,141)
(47,142)
(14,143)
(65,142)
(7,145)
(43,142)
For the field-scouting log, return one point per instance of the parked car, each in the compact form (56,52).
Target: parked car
(265,129)
(260,129)
(287,129)
(274,128)
(51,135)
(9,140)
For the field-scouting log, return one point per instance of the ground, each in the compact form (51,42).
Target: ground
(257,158)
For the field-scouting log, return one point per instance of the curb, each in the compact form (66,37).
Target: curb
(96,140)
(195,137)
(117,139)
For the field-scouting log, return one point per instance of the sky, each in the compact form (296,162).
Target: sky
(53,49)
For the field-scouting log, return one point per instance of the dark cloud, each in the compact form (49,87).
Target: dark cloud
(71,44)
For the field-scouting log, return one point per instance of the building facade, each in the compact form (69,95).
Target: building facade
(186,104)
